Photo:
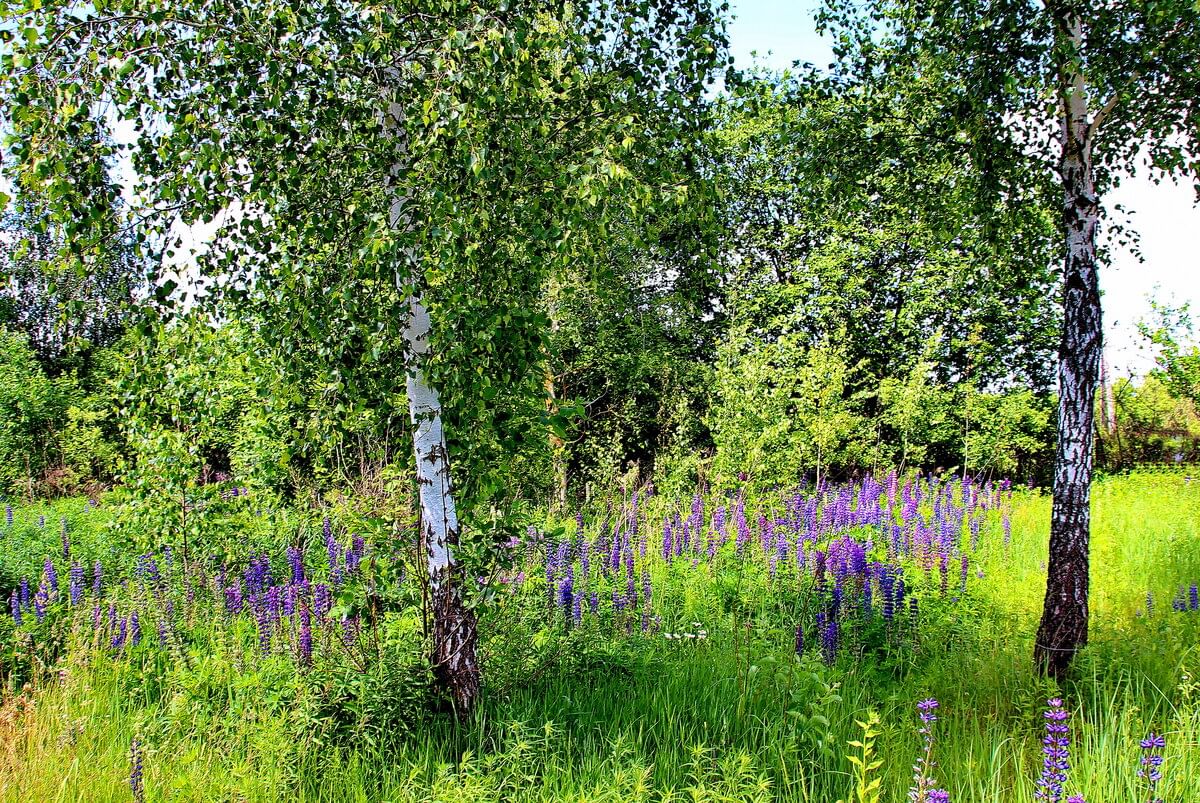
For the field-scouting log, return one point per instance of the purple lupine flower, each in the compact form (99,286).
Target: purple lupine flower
(51,578)
(305,641)
(647,587)
(322,600)
(40,600)
(76,583)
(827,628)
(135,772)
(234,602)
(333,551)
(14,605)
(594,602)
(350,631)
(576,609)
(566,589)
(944,569)
(135,630)
(1076,799)
(1056,749)
(630,581)
(41,521)
(97,579)
(118,638)
(296,561)
(262,618)
(668,541)
(24,593)
(799,639)
(924,788)
(1194,597)
(1151,763)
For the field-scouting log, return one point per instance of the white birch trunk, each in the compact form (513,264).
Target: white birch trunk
(455,665)
(1064,626)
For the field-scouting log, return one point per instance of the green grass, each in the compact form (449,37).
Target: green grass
(735,717)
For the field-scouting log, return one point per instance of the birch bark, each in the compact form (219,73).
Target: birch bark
(454,660)
(1064,625)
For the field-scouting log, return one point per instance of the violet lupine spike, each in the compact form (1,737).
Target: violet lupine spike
(1150,764)
(135,630)
(924,788)
(51,578)
(305,641)
(136,784)
(262,617)
(76,583)
(97,579)
(296,562)
(118,639)
(14,605)
(1056,751)
(322,600)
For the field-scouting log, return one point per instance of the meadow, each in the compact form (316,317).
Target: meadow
(716,646)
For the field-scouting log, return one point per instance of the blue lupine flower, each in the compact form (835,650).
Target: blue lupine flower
(924,788)
(1151,763)
(135,630)
(135,772)
(1056,750)
(305,641)
(97,579)
(14,605)
(296,561)
(76,583)
(51,578)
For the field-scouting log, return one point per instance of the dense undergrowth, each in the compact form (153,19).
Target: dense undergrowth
(716,647)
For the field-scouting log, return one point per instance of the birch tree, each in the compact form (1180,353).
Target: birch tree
(1081,92)
(390,182)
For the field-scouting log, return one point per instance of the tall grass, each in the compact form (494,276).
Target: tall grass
(736,716)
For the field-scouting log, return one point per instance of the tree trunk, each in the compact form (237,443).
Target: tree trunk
(455,666)
(1064,625)
(453,653)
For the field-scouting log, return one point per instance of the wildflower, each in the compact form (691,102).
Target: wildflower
(135,772)
(1150,762)
(135,630)
(14,605)
(1055,747)
(76,584)
(305,642)
(118,639)
(296,561)
(924,788)
(97,579)
(51,578)
(1194,597)
(799,639)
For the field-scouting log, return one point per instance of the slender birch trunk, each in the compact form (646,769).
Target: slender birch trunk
(453,654)
(1064,625)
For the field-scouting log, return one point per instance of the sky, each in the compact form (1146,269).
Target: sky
(775,33)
